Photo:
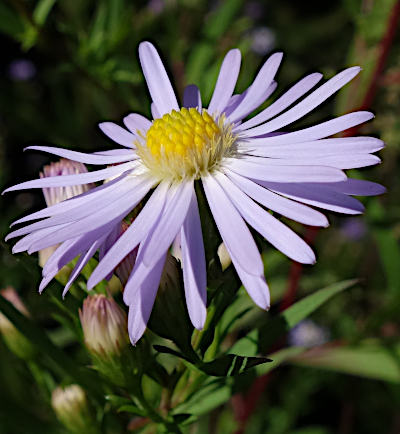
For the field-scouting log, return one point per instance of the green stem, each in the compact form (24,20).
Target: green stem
(152,414)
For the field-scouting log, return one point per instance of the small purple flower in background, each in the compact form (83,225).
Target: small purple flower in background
(21,70)
(308,334)
(353,228)
(254,9)
(262,40)
(243,165)
(156,6)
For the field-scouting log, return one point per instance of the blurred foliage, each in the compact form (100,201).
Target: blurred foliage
(67,66)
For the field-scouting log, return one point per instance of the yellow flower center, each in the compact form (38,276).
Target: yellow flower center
(185,144)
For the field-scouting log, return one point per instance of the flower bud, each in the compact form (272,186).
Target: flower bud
(14,339)
(105,330)
(72,409)
(104,325)
(54,195)
(224,256)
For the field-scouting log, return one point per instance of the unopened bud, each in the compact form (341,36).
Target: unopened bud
(54,195)
(105,330)
(72,409)
(104,325)
(14,339)
(224,256)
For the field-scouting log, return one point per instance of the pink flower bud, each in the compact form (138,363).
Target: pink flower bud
(104,326)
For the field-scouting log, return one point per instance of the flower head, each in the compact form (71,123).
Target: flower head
(104,325)
(243,166)
(72,409)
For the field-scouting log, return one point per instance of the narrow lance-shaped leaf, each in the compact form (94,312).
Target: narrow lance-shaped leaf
(281,324)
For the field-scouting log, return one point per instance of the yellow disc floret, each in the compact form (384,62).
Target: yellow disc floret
(185,144)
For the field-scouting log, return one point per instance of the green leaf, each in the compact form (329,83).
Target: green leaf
(117,401)
(42,10)
(132,409)
(219,391)
(207,398)
(227,365)
(221,19)
(166,350)
(281,324)
(279,357)
(230,365)
(369,360)
(10,22)
(303,308)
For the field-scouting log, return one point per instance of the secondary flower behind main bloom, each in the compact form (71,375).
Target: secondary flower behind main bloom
(242,164)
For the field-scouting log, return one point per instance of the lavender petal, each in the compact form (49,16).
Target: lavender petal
(157,79)
(135,123)
(170,222)
(275,232)
(82,178)
(191,97)
(194,265)
(118,134)
(264,171)
(226,82)
(307,104)
(322,130)
(283,102)
(234,231)
(288,208)
(136,232)
(140,309)
(260,84)
(319,195)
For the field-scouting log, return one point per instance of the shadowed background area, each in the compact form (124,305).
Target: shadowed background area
(67,65)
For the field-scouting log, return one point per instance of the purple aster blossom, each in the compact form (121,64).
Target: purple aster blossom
(353,228)
(308,334)
(262,40)
(243,165)
(21,70)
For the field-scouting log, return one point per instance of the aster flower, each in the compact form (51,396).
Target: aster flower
(243,165)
